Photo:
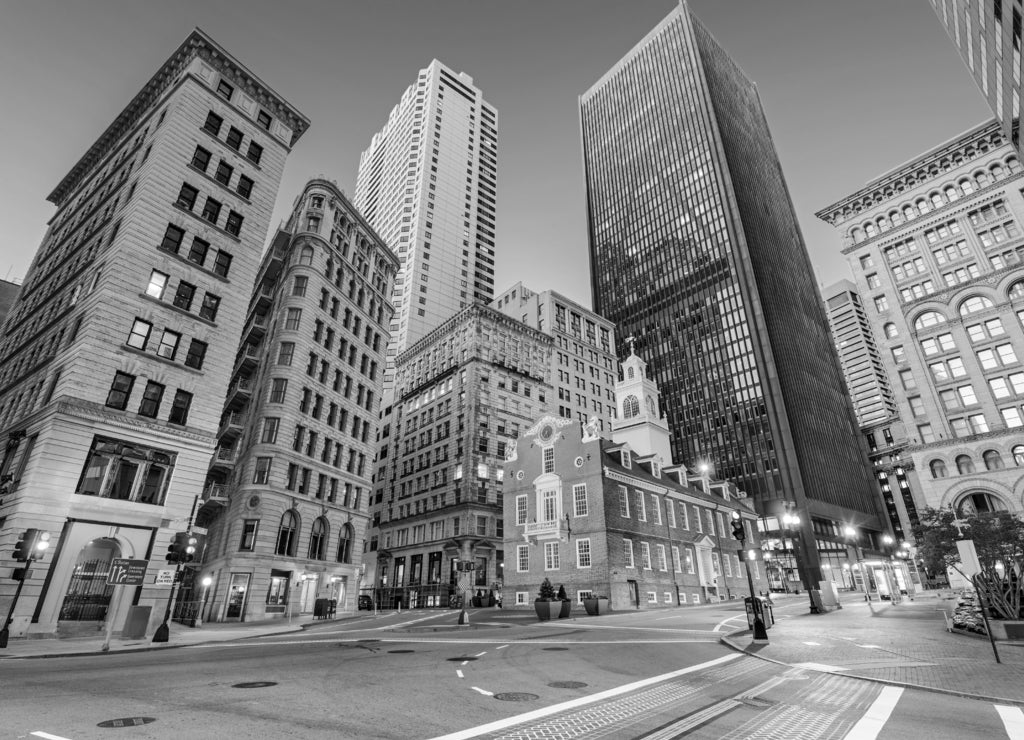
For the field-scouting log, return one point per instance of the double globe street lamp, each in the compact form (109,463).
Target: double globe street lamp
(791,523)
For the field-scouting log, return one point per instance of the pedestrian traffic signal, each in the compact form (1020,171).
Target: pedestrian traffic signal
(737,527)
(31,545)
(182,548)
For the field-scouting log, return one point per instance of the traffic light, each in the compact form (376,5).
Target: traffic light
(31,545)
(182,548)
(737,527)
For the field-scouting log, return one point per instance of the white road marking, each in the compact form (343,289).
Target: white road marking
(811,643)
(819,667)
(48,736)
(479,654)
(875,647)
(464,662)
(724,622)
(459,673)
(868,727)
(501,647)
(1013,721)
(442,641)
(485,693)
(501,724)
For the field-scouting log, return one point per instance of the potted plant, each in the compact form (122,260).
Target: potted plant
(596,604)
(566,602)
(547,604)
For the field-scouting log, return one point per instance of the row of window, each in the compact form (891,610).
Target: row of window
(187,197)
(198,251)
(234,138)
(992,460)
(152,397)
(287,542)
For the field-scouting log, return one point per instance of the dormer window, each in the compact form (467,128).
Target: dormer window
(627,461)
(655,469)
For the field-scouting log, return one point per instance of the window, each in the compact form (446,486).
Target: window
(270,427)
(222,264)
(549,460)
(891,331)
(261,474)
(929,318)
(225,90)
(255,152)
(684,517)
(120,390)
(299,285)
(126,471)
(292,319)
(196,354)
(198,251)
(916,406)
(993,460)
(627,553)
(249,529)
(180,407)
(583,553)
(213,123)
(881,303)
(966,393)
(345,544)
(187,197)
(209,308)
(521,510)
(224,173)
(277,390)
(1011,417)
(662,561)
(318,539)
(974,304)
(244,186)
(964,464)
(234,139)
(183,295)
(286,539)
(263,119)
(201,159)
(139,335)
(169,344)
(172,239)
(623,502)
(579,497)
(522,558)
(926,433)
(234,223)
(151,398)
(690,561)
(645,555)
(285,352)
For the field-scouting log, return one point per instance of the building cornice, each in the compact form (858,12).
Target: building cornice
(92,411)
(681,495)
(197,44)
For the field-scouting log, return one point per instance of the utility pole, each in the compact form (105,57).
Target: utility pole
(760,631)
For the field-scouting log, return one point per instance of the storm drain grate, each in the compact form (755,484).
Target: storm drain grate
(554,648)
(401,651)
(127,722)
(515,696)
(459,660)
(254,685)
(567,684)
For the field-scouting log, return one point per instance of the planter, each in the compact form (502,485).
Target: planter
(476,602)
(1007,629)
(565,610)
(547,609)
(596,606)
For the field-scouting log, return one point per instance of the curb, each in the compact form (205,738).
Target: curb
(725,639)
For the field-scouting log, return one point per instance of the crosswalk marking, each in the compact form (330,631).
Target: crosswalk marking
(1013,721)
(877,715)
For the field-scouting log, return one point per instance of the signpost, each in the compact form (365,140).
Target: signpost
(123,572)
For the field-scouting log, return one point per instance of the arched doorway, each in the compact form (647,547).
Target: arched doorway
(88,595)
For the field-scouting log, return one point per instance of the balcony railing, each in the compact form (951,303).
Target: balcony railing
(216,492)
(230,425)
(544,530)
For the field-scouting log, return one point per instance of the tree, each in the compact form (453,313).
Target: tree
(999,541)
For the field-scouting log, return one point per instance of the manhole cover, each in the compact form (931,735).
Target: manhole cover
(254,685)
(127,722)
(459,660)
(567,684)
(515,696)
(401,651)
(554,648)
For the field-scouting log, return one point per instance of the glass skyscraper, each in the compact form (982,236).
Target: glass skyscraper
(695,252)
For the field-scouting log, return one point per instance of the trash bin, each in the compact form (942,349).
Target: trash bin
(767,613)
(136,622)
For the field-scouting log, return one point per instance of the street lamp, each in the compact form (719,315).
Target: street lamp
(207,580)
(853,536)
(791,523)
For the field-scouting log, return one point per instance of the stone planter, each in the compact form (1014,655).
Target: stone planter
(547,609)
(1007,629)
(565,610)
(596,606)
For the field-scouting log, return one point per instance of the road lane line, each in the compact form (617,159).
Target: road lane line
(47,736)
(806,642)
(501,724)
(877,715)
(459,673)
(1013,721)
(485,693)
(501,647)
(718,627)
(479,654)
(464,662)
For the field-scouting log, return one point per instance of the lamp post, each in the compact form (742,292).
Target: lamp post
(791,523)
(207,580)
(853,536)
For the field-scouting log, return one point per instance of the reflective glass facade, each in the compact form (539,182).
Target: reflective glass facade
(695,251)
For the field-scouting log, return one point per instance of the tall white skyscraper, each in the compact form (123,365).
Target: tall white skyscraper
(428,185)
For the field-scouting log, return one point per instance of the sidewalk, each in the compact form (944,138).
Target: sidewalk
(904,644)
(180,635)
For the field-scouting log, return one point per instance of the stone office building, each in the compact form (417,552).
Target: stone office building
(288,494)
(120,345)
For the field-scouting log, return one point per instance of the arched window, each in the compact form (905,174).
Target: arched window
(629,373)
(980,503)
(330,268)
(951,193)
(345,544)
(964,464)
(967,186)
(908,213)
(922,206)
(891,330)
(652,409)
(936,200)
(1016,290)
(306,255)
(938,468)
(286,539)
(883,223)
(983,179)
(997,171)
(1013,164)
(630,407)
(993,460)
(318,539)
(929,318)
(974,304)
(1018,455)
(895,218)
(857,235)
(871,230)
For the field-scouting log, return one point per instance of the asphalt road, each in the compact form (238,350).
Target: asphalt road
(658,674)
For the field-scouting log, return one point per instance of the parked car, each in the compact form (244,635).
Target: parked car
(365,602)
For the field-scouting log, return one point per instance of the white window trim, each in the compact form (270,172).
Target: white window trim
(590,553)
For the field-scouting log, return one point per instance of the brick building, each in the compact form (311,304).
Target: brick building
(618,519)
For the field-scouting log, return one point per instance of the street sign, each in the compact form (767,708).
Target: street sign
(164,578)
(126,572)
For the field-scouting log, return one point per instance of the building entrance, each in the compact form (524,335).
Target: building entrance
(88,596)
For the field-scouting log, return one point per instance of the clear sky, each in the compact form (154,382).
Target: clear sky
(851,89)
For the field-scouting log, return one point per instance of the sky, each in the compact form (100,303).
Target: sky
(850,90)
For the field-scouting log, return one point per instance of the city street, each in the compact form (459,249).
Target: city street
(657,674)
